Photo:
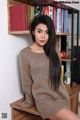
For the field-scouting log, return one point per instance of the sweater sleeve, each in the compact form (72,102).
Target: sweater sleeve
(26,81)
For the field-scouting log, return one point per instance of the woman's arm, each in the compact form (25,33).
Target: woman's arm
(26,80)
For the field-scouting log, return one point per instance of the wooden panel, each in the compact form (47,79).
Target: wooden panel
(19,113)
(31,110)
(22,115)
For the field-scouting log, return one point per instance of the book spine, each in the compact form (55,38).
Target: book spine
(38,10)
(48,10)
(62,20)
(25,16)
(65,21)
(18,17)
(62,71)
(58,22)
(54,17)
(30,15)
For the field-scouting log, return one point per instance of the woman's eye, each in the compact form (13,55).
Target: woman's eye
(47,32)
(39,31)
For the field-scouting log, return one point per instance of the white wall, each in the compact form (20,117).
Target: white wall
(10,45)
(76,5)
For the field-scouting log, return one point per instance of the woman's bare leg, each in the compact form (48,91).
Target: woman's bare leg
(65,114)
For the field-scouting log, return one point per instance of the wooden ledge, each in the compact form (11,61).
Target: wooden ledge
(19,113)
(31,110)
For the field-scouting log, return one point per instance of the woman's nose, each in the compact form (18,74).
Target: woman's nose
(43,35)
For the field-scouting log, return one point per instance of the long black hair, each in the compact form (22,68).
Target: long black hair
(49,48)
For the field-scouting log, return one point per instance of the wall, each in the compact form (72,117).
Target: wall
(10,45)
(76,5)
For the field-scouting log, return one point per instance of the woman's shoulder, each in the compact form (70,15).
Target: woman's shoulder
(24,51)
(25,54)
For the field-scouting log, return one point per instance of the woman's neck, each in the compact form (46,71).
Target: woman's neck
(35,47)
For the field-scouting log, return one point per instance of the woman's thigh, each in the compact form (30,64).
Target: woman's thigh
(65,114)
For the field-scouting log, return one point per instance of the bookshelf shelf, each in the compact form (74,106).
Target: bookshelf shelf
(68,59)
(12,2)
(63,34)
(28,32)
(45,3)
(19,32)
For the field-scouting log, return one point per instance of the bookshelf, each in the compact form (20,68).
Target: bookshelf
(61,35)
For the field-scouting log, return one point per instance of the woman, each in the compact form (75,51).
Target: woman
(41,73)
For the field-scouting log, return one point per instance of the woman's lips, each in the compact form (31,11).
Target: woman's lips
(42,41)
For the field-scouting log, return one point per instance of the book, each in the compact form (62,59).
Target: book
(18,15)
(62,72)
(54,17)
(62,11)
(48,10)
(65,21)
(58,20)
(38,10)
(30,15)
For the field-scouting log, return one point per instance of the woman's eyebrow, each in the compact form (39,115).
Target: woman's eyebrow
(41,29)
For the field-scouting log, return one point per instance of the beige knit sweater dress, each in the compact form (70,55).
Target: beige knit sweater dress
(34,68)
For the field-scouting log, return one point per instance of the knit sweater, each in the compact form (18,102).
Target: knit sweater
(34,69)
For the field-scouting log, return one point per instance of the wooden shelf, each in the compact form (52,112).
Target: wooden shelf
(28,32)
(36,2)
(31,110)
(68,59)
(19,32)
(63,34)
(45,3)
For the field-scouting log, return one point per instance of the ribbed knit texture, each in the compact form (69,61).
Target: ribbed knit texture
(34,69)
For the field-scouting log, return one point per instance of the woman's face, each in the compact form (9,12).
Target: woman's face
(41,34)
